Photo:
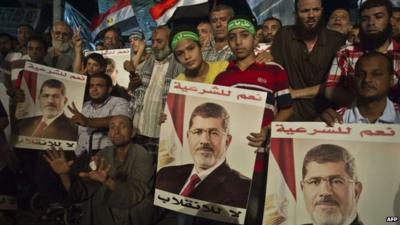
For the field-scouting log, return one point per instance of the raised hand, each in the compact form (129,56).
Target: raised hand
(76,38)
(101,172)
(78,118)
(57,161)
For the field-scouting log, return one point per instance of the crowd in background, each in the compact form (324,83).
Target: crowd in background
(309,70)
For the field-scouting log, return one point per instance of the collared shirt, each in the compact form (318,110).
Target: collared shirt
(203,175)
(390,115)
(304,68)
(270,78)
(343,65)
(146,120)
(112,106)
(211,54)
(49,121)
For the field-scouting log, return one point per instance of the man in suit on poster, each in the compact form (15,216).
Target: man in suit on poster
(330,186)
(210,178)
(53,123)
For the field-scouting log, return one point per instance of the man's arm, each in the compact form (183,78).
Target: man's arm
(305,93)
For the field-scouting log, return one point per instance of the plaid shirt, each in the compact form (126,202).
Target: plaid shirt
(210,54)
(343,65)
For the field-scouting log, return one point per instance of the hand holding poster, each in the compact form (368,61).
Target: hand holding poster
(115,64)
(347,174)
(205,164)
(42,121)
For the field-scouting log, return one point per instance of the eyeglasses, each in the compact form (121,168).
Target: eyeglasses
(60,33)
(336,182)
(212,132)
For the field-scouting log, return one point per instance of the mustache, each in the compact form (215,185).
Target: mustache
(50,105)
(325,200)
(205,148)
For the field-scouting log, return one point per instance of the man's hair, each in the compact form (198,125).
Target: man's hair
(53,83)
(273,18)
(330,153)
(376,54)
(213,110)
(165,28)
(113,29)
(63,23)
(110,61)
(127,119)
(104,76)
(96,57)
(296,4)
(222,7)
(38,39)
(376,3)
(26,25)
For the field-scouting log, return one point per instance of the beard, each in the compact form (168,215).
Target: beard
(327,217)
(161,54)
(305,33)
(61,46)
(374,41)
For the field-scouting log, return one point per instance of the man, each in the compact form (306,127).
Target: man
(112,39)
(373,80)
(218,49)
(245,72)
(24,32)
(138,45)
(6,45)
(330,186)
(96,114)
(118,90)
(395,22)
(205,32)
(306,50)
(117,190)
(374,36)
(152,83)
(53,123)
(270,27)
(61,54)
(209,138)
(339,21)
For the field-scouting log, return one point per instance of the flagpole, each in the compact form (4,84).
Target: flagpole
(58,10)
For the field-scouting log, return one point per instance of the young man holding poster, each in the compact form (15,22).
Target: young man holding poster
(245,72)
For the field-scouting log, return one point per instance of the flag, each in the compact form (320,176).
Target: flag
(119,12)
(280,201)
(164,10)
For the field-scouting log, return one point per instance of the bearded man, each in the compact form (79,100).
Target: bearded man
(306,50)
(375,35)
(61,54)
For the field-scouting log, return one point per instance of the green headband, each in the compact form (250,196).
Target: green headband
(242,23)
(183,35)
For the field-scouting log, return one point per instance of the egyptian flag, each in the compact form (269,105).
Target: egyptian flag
(172,131)
(162,11)
(280,202)
(119,12)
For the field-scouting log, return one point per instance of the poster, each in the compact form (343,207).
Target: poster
(119,56)
(205,132)
(43,120)
(347,174)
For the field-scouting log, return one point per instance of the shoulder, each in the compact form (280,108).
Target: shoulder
(234,175)
(117,100)
(173,170)
(181,76)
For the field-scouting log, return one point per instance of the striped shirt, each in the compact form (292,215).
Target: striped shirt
(270,78)
(390,115)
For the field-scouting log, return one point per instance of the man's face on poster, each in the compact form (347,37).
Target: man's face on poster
(330,194)
(208,141)
(52,102)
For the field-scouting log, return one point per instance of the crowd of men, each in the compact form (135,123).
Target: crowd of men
(341,72)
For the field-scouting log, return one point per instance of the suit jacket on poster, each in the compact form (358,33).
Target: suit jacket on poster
(223,186)
(61,128)
(356,221)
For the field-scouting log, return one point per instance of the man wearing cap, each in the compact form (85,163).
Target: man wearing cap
(245,72)
(136,39)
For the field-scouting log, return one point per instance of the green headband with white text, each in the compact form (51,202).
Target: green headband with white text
(183,35)
(241,23)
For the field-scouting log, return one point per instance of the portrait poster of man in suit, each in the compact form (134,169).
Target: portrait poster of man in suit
(346,175)
(51,90)
(213,166)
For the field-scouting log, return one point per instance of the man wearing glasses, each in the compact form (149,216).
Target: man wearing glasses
(330,186)
(210,178)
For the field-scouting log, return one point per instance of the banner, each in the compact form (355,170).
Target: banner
(205,136)
(347,174)
(43,120)
(118,57)
(11,18)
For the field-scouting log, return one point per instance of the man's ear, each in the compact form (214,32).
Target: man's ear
(110,90)
(357,190)
(65,100)
(228,140)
